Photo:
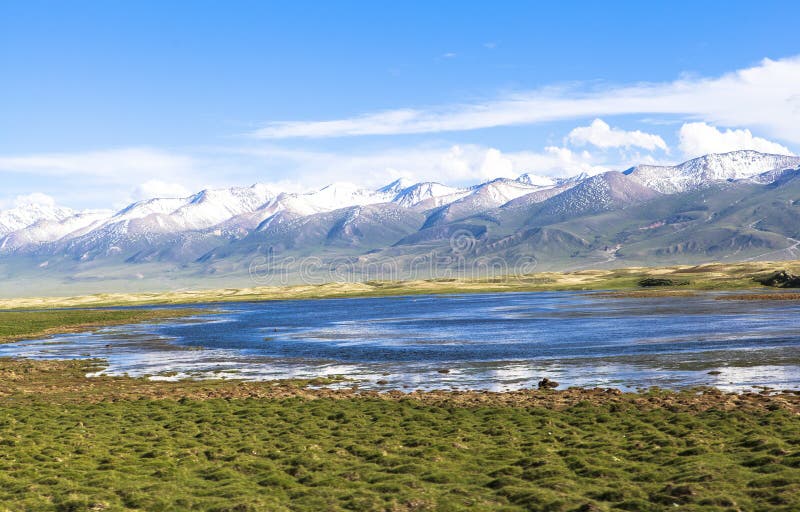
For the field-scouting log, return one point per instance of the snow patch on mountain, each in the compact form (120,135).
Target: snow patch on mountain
(141,209)
(396,186)
(502,190)
(602,192)
(416,194)
(342,195)
(703,171)
(25,215)
(46,230)
(211,207)
(765,178)
(536,180)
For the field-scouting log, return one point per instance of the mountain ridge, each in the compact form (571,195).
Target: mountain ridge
(644,214)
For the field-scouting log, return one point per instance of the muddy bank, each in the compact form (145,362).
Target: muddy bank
(65,382)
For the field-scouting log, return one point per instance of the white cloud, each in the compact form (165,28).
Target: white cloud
(449,55)
(106,177)
(697,139)
(495,165)
(764,96)
(36,198)
(114,164)
(92,184)
(158,188)
(600,134)
(457,164)
(557,161)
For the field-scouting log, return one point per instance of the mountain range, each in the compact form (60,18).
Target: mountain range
(734,206)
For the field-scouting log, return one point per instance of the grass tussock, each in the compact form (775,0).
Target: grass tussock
(241,447)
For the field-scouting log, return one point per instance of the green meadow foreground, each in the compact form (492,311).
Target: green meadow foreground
(72,443)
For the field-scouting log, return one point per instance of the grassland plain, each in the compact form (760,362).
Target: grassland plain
(15,325)
(706,277)
(70,443)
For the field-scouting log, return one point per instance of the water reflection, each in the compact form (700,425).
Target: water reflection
(490,341)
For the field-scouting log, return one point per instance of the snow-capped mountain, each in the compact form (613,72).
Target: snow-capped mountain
(430,193)
(481,198)
(46,230)
(502,190)
(351,216)
(603,192)
(396,186)
(772,176)
(205,209)
(26,214)
(545,182)
(536,180)
(290,205)
(337,196)
(707,169)
(340,195)
(210,207)
(570,181)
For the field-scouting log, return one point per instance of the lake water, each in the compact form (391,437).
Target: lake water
(482,341)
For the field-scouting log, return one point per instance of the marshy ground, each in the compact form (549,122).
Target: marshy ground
(73,443)
(15,325)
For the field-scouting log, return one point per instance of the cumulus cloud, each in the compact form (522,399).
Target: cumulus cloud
(158,188)
(36,198)
(600,134)
(457,164)
(495,164)
(763,96)
(696,139)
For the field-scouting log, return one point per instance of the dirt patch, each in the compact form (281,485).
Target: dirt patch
(760,296)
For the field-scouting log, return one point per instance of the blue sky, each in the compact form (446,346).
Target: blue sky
(107,102)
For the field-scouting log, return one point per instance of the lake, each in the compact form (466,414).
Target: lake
(475,341)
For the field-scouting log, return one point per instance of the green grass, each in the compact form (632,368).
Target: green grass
(21,324)
(376,454)
(69,443)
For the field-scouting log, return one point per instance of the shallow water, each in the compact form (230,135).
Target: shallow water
(484,341)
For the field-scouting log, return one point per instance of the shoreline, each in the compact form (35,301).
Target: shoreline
(66,381)
(24,325)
